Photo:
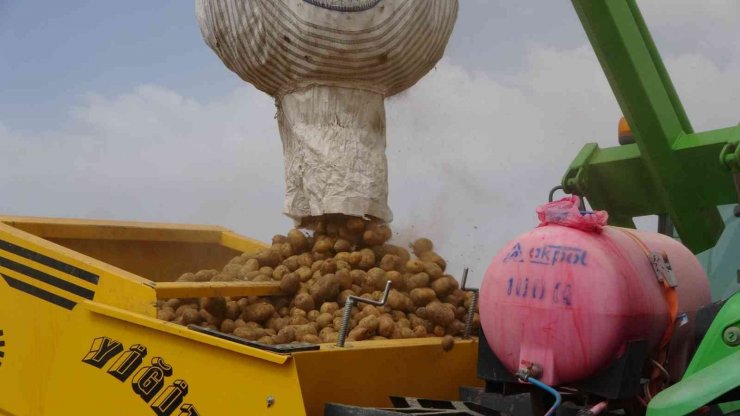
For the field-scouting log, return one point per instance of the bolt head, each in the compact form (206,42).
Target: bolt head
(732,336)
(270,401)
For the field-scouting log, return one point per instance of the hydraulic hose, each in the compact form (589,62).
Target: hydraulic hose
(548,389)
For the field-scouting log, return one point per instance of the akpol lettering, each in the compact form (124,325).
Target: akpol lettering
(148,381)
(548,254)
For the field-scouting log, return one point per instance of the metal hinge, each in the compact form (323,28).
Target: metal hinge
(663,269)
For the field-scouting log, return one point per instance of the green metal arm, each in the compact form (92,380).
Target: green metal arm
(670,170)
(714,370)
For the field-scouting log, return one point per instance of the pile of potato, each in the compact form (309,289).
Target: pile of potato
(318,270)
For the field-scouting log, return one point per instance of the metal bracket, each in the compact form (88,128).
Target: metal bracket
(347,314)
(473,303)
(663,269)
(729,157)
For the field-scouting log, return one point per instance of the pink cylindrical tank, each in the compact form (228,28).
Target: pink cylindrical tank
(570,300)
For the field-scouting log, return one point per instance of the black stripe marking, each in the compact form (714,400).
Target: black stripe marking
(48,261)
(2,343)
(39,293)
(47,278)
(2,354)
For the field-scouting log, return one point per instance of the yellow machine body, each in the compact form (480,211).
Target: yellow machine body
(79,333)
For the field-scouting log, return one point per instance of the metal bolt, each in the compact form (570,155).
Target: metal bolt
(270,401)
(732,336)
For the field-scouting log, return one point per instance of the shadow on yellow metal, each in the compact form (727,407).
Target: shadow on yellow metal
(79,333)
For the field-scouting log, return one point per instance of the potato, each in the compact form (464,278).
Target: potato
(216,307)
(434,258)
(290,283)
(190,316)
(432,269)
(267,339)
(390,262)
(325,288)
(355,225)
(303,330)
(279,272)
(323,245)
(455,298)
(386,326)
(376,278)
(324,320)
(438,331)
(182,308)
(298,320)
(259,312)
(187,277)
(420,331)
(250,265)
(305,259)
(444,286)
(312,315)
(328,266)
(448,343)
(279,239)
(286,335)
(421,246)
(291,263)
(329,336)
(166,314)
(231,269)
(344,278)
(367,259)
(397,280)
(297,241)
(252,334)
(399,301)
(370,323)
(358,334)
(304,273)
(439,313)
(266,270)
(416,281)
(342,245)
(372,238)
(268,258)
(227,326)
(221,277)
(285,250)
(304,301)
(311,339)
(414,266)
(422,296)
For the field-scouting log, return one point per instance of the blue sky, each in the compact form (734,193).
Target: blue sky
(119,110)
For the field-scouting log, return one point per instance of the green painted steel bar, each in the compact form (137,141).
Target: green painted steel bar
(670,170)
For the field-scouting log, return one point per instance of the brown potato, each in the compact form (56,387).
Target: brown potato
(439,313)
(444,286)
(448,343)
(397,280)
(421,246)
(417,280)
(358,334)
(228,326)
(297,240)
(258,312)
(371,323)
(304,301)
(325,288)
(432,269)
(422,296)
(434,258)
(216,307)
(290,283)
(191,316)
(187,277)
(342,245)
(376,278)
(390,262)
(166,314)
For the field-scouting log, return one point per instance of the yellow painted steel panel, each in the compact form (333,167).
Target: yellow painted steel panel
(366,373)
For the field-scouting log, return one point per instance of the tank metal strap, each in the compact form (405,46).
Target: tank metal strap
(664,273)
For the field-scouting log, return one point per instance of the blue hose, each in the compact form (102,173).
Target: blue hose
(548,389)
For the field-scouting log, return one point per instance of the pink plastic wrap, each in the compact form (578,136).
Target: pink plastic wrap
(566,212)
(570,300)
